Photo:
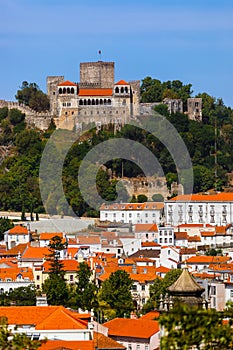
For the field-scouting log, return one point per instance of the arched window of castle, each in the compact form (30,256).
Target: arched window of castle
(109,101)
(117,90)
(105,101)
(122,89)
(93,102)
(68,90)
(97,102)
(60,90)
(64,91)
(124,102)
(126,89)
(89,102)
(101,101)
(72,90)
(85,102)
(80,102)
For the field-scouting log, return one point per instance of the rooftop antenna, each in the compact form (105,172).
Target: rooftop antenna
(100,53)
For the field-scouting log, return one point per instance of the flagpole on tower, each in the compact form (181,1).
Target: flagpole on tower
(100,54)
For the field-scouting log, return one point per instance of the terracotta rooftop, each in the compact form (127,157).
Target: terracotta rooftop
(18,230)
(121,82)
(46,317)
(130,328)
(102,342)
(61,319)
(181,235)
(35,253)
(204,259)
(20,248)
(67,83)
(219,197)
(133,206)
(68,265)
(151,315)
(48,235)
(95,92)
(68,345)
(146,228)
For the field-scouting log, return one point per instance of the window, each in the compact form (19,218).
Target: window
(138,347)
(71,278)
(129,347)
(37,277)
(143,286)
(213,290)
(231,293)
(134,287)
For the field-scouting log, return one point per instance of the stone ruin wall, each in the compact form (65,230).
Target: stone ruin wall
(150,186)
(32,118)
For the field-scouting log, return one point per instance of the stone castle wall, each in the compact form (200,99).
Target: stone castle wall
(32,118)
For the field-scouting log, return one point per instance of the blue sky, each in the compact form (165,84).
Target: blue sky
(189,40)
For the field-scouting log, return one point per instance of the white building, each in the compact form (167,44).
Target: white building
(216,209)
(166,236)
(134,213)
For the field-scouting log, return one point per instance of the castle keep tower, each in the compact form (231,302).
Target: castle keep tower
(52,92)
(97,75)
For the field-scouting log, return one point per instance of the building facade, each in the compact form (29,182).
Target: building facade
(200,209)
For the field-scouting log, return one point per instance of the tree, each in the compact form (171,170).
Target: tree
(159,287)
(5,225)
(141,198)
(86,289)
(187,327)
(16,116)
(20,296)
(55,285)
(31,95)
(16,341)
(115,291)
(157,197)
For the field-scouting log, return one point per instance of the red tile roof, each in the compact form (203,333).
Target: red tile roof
(194,239)
(204,259)
(68,344)
(20,248)
(46,317)
(67,83)
(68,265)
(140,328)
(35,253)
(95,92)
(133,206)
(181,235)
(13,272)
(103,342)
(61,319)
(18,230)
(152,315)
(219,197)
(146,228)
(122,82)
(48,235)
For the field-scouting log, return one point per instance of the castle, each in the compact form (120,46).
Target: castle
(97,100)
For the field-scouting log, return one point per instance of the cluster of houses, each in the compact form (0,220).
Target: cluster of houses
(139,238)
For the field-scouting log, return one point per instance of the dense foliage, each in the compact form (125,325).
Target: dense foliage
(31,95)
(21,296)
(189,327)
(86,289)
